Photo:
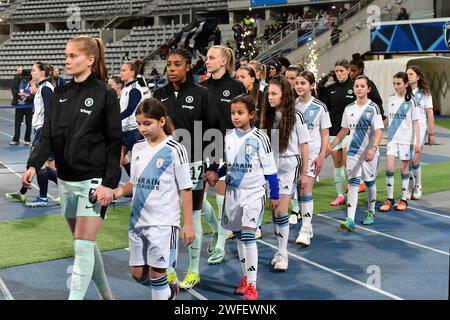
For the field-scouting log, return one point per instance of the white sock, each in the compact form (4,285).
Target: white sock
(241,253)
(251,255)
(390,184)
(417,171)
(222,232)
(307,210)
(196,245)
(282,231)
(371,189)
(405,184)
(352,197)
(160,288)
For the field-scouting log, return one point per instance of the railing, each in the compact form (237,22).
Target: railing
(316,31)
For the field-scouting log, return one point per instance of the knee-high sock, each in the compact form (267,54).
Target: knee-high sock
(99,276)
(417,171)
(241,252)
(160,288)
(282,231)
(196,245)
(405,183)
(352,197)
(222,232)
(42,179)
(251,255)
(82,269)
(117,177)
(390,184)
(208,213)
(371,188)
(339,180)
(52,175)
(307,203)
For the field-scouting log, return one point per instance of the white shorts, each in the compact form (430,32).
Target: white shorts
(288,173)
(243,207)
(366,170)
(399,150)
(423,134)
(344,144)
(155,246)
(197,170)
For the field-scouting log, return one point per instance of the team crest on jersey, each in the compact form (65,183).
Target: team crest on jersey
(226,93)
(89,102)
(350,91)
(311,113)
(368,114)
(248,149)
(159,162)
(189,99)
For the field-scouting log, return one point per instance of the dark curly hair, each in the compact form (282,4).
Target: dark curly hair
(286,107)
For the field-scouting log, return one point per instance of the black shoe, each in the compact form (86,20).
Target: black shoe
(174,290)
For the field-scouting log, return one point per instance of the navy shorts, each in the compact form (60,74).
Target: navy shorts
(129,138)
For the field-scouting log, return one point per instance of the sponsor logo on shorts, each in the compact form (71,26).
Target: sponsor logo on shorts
(162,259)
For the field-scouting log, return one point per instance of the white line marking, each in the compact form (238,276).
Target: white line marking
(5,290)
(8,135)
(9,120)
(392,237)
(430,212)
(196,294)
(35,186)
(387,294)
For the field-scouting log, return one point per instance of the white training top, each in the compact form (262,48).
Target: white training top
(298,136)
(424,101)
(317,118)
(158,174)
(362,122)
(135,90)
(38,102)
(401,115)
(248,158)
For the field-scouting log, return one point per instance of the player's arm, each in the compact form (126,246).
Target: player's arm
(340,136)
(416,129)
(431,128)
(187,232)
(125,190)
(318,163)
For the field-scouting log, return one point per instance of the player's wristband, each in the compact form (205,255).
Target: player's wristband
(432,134)
(375,148)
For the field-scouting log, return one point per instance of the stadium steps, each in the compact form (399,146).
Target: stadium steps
(355,37)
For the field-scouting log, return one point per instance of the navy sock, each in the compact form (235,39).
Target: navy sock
(52,175)
(127,168)
(42,179)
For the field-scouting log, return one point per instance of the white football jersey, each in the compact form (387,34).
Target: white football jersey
(424,101)
(248,159)
(158,174)
(129,123)
(362,122)
(317,118)
(39,109)
(401,115)
(299,135)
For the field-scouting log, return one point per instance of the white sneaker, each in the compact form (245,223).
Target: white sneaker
(417,194)
(293,219)
(258,234)
(281,263)
(304,236)
(411,185)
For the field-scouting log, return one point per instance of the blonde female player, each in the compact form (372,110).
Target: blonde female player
(422,94)
(160,177)
(286,125)
(403,116)
(249,162)
(363,120)
(318,121)
(82,130)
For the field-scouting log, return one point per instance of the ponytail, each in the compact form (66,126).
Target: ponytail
(135,66)
(228,54)
(100,66)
